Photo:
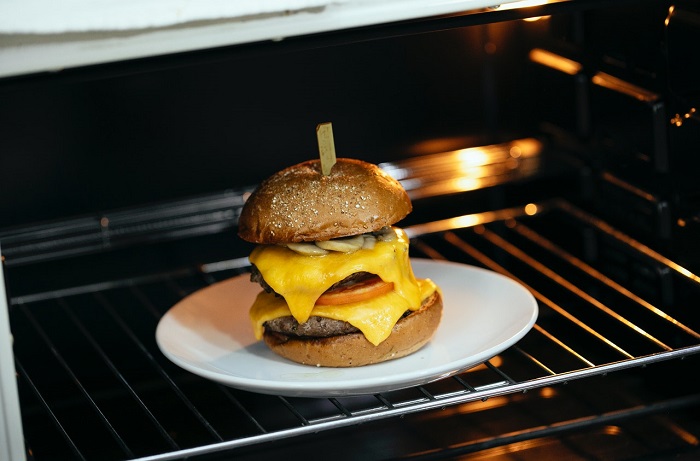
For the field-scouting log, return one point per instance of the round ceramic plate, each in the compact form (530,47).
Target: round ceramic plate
(209,334)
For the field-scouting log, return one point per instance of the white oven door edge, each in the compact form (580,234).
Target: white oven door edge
(53,42)
(11,435)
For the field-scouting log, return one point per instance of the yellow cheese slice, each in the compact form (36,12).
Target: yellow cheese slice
(301,279)
(374,318)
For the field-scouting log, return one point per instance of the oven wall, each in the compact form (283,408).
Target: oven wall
(83,141)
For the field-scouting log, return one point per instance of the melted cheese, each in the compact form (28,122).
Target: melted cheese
(375,318)
(300,280)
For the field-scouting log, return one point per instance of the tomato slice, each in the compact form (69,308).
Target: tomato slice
(357,292)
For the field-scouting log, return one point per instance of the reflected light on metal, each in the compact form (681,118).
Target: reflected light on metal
(670,13)
(540,240)
(629,241)
(472,220)
(473,157)
(688,437)
(557,278)
(496,361)
(555,61)
(486,261)
(525,4)
(522,4)
(679,119)
(610,82)
(466,169)
(469,158)
(468,184)
(548,392)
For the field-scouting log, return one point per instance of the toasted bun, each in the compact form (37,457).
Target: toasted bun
(300,204)
(353,350)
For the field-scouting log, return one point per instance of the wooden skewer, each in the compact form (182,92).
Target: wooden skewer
(326,146)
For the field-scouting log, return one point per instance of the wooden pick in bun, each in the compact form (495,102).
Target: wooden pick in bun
(339,290)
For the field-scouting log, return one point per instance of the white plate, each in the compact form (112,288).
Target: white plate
(209,334)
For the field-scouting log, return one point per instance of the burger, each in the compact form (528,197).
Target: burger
(338,289)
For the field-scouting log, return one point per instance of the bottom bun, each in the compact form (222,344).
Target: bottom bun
(353,350)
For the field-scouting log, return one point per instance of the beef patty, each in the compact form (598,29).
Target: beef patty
(319,327)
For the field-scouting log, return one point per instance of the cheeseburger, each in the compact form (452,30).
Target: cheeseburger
(338,287)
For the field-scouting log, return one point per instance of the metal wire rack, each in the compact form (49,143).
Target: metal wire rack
(93,384)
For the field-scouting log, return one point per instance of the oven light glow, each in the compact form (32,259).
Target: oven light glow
(468,220)
(468,183)
(471,407)
(548,392)
(530,209)
(612,430)
(678,119)
(526,147)
(469,158)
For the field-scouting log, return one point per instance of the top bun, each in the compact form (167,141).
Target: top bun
(300,204)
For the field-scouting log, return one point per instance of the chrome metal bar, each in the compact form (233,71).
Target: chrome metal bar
(23,375)
(426,398)
(386,403)
(626,239)
(475,219)
(560,428)
(344,411)
(464,383)
(134,338)
(146,302)
(550,246)
(78,384)
(462,245)
(557,278)
(117,374)
(242,408)
(96,287)
(425,392)
(499,372)
(427,405)
(293,410)
(532,359)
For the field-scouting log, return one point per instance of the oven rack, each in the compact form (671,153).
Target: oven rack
(93,384)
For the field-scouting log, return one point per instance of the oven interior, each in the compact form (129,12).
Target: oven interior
(553,144)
